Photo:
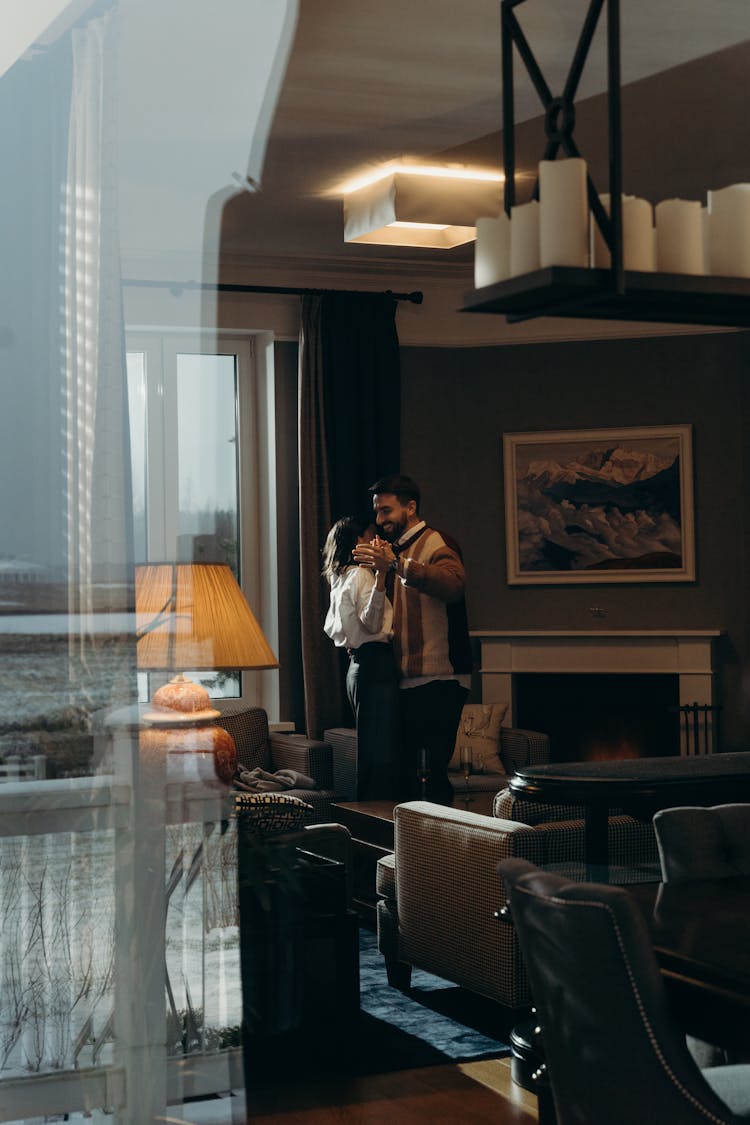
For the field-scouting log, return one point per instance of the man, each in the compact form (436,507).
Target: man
(430,634)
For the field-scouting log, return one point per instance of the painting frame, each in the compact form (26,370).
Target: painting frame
(554,536)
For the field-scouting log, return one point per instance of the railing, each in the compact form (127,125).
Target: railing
(15,768)
(104,881)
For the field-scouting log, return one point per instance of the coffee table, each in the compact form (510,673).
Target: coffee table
(640,786)
(371,826)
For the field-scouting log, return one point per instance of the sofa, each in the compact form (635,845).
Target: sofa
(438,893)
(514,748)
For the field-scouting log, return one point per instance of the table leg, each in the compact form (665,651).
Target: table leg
(596,845)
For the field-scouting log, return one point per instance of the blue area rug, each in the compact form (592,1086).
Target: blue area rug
(435,1022)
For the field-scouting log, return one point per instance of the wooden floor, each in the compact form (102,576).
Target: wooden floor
(464,1094)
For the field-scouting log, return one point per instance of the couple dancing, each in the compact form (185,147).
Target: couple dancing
(397,606)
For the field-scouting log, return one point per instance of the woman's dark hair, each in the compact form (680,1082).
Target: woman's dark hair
(340,542)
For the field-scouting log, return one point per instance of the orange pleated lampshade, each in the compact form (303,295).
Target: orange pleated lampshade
(194,615)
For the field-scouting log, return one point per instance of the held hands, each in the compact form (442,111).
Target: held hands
(377,554)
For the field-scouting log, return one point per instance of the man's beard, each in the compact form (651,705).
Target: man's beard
(393,533)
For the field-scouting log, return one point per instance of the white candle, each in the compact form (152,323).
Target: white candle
(600,256)
(638,246)
(524,238)
(729,231)
(679,236)
(564,213)
(492,250)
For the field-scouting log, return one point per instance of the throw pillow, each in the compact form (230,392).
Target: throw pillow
(479,728)
(264,814)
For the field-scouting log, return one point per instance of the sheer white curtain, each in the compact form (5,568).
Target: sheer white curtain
(56,891)
(95,423)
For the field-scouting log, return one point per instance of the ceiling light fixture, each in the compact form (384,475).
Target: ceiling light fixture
(403,204)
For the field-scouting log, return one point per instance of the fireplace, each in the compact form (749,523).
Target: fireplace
(601,716)
(683,659)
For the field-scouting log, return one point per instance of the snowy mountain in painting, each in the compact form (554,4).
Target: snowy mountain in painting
(610,508)
(610,466)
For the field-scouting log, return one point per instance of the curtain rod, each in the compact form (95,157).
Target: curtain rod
(177,287)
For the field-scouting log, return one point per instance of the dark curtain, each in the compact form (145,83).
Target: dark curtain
(350,432)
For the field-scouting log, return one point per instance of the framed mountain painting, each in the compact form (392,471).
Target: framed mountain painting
(591,506)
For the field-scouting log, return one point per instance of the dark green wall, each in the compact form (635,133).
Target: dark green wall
(457,403)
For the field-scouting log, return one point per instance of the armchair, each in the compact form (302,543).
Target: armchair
(438,891)
(703,843)
(257,747)
(612,1050)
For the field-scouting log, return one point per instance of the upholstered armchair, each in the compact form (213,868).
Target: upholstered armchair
(280,750)
(438,891)
(703,843)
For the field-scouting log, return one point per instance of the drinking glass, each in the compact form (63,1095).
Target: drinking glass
(424,772)
(467,765)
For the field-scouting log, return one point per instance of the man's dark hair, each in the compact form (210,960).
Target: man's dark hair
(404,488)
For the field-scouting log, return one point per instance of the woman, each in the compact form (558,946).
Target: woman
(360,619)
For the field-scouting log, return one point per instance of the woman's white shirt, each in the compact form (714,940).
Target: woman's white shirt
(359,613)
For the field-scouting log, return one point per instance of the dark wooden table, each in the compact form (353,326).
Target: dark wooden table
(371,826)
(639,786)
(701,935)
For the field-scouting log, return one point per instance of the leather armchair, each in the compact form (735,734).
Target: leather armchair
(703,843)
(612,1051)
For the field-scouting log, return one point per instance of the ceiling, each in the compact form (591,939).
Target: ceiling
(367,82)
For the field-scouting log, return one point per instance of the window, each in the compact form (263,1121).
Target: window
(202,468)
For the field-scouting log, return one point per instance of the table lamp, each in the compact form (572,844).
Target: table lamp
(194,616)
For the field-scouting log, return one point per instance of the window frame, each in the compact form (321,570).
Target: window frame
(255,467)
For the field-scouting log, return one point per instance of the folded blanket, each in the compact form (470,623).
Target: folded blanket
(261,781)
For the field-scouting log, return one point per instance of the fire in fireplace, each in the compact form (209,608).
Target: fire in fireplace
(601,716)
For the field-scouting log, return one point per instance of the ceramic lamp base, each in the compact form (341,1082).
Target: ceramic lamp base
(204,751)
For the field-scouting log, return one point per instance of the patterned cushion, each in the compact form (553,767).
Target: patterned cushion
(264,814)
(479,728)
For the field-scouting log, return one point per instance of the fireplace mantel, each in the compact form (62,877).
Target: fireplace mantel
(686,653)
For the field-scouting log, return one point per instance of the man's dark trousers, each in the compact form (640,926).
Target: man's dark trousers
(430,715)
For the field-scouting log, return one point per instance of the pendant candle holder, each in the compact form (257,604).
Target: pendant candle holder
(560,117)
(611,293)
